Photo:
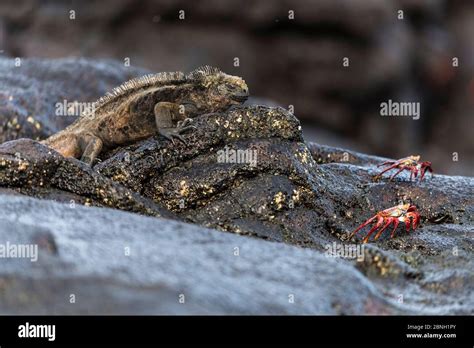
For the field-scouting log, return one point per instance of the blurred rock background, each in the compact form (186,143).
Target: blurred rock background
(296,62)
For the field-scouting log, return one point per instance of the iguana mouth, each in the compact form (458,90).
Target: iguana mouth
(239,97)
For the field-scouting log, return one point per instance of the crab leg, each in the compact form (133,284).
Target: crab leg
(362,226)
(377,225)
(407,224)
(386,163)
(379,233)
(395,225)
(387,169)
(394,175)
(423,172)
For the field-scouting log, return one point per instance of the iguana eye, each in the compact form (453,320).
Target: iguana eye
(230,87)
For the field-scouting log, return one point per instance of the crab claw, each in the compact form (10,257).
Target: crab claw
(413,216)
(424,167)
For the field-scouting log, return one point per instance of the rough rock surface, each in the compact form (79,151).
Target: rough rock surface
(296,193)
(165,259)
(32,168)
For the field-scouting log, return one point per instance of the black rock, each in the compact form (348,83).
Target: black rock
(249,171)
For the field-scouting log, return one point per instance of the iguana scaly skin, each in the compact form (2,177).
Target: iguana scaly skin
(162,103)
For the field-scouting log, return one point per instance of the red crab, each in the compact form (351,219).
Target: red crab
(411,163)
(406,213)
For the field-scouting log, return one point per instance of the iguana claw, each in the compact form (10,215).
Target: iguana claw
(172,133)
(184,123)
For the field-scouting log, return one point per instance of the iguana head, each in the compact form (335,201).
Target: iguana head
(224,90)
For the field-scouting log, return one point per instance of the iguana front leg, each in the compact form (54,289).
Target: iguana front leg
(92,146)
(170,122)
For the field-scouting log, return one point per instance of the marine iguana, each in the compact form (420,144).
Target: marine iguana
(162,103)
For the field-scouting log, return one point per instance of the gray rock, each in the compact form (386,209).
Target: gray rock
(166,259)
